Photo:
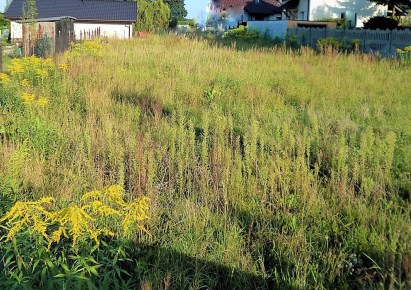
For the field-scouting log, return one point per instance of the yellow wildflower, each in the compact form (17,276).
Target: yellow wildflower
(4,78)
(64,66)
(28,98)
(135,213)
(74,222)
(42,73)
(16,66)
(31,215)
(25,83)
(42,101)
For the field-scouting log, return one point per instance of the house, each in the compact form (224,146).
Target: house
(235,14)
(354,12)
(110,18)
(260,10)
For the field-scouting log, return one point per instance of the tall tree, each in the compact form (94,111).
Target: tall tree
(178,10)
(152,15)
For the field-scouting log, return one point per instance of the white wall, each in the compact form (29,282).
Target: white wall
(16,30)
(333,8)
(121,31)
(273,28)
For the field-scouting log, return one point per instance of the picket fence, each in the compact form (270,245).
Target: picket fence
(383,42)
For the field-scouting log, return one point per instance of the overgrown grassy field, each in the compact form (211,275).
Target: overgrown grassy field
(265,169)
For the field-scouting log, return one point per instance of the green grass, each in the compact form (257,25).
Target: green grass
(265,168)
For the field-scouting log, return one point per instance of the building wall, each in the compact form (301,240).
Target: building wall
(16,31)
(122,31)
(318,9)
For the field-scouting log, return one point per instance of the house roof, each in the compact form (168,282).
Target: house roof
(86,10)
(290,4)
(262,8)
(238,4)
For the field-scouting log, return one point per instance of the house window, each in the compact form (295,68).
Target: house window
(302,15)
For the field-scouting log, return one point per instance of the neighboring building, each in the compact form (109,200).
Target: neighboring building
(354,12)
(233,11)
(110,18)
(259,10)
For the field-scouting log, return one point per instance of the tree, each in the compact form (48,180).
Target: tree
(29,16)
(381,22)
(178,10)
(392,2)
(400,3)
(152,15)
(4,22)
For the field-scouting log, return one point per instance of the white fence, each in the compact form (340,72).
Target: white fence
(384,42)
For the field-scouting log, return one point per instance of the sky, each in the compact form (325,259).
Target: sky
(3,3)
(195,8)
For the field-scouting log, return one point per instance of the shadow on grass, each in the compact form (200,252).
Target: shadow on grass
(168,269)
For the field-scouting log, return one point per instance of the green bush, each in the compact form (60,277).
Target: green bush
(243,33)
(340,45)
(190,22)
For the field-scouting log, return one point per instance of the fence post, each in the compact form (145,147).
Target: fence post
(390,42)
(1,55)
(311,38)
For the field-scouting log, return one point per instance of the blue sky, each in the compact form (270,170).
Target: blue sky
(195,8)
(2,4)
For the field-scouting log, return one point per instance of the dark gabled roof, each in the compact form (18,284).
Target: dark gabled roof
(290,4)
(91,10)
(262,8)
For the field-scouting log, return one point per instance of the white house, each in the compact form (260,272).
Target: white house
(110,18)
(238,12)
(355,12)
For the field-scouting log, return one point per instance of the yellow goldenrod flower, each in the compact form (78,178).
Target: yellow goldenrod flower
(42,101)
(64,66)
(74,222)
(28,98)
(24,83)
(4,78)
(16,66)
(42,73)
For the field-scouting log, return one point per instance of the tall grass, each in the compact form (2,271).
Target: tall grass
(294,168)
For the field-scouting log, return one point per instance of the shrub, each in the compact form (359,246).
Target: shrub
(405,54)
(343,45)
(340,22)
(381,22)
(242,33)
(73,246)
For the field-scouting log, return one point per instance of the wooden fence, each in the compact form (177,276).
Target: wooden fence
(384,42)
(49,38)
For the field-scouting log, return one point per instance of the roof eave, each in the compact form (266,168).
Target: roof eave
(81,20)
